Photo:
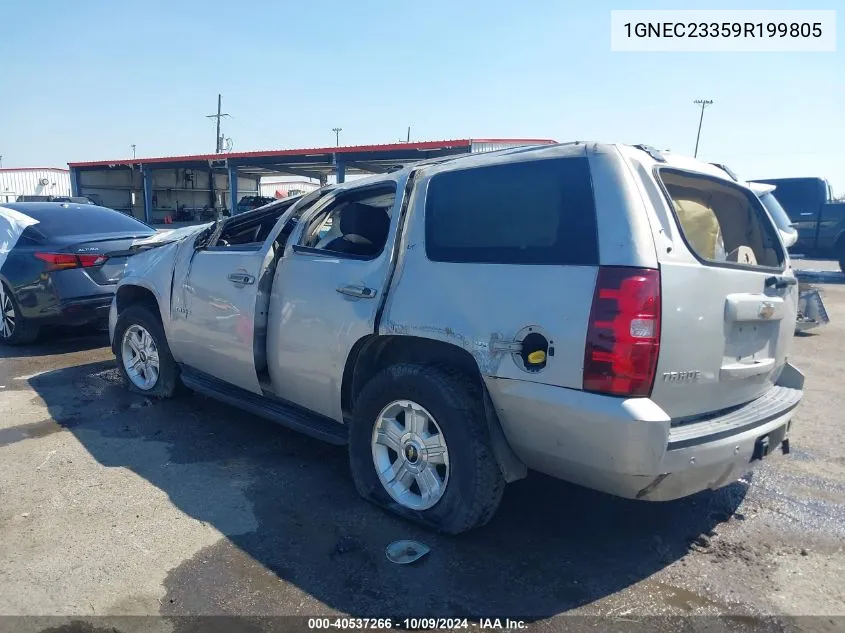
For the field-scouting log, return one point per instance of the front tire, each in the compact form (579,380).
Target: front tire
(419,446)
(840,254)
(143,356)
(14,329)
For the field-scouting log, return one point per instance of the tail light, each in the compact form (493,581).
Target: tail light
(63,261)
(623,339)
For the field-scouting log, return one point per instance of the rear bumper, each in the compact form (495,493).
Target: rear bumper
(89,310)
(76,311)
(631,448)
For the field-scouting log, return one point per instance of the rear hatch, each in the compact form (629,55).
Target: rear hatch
(728,297)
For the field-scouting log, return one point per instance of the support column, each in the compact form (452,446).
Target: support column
(233,189)
(75,185)
(340,171)
(147,176)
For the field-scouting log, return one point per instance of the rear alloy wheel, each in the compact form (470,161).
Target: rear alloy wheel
(410,455)
(143,356)
(419,446)
(14,329)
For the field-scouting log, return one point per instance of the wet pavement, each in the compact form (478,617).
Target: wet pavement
(111,504)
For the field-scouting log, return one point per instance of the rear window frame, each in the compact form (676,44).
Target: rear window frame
(771,228)
(441,255)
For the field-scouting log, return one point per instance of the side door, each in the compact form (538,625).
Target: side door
(220,314)
(327,290)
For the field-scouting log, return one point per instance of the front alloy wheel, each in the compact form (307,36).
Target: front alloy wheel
(410,455)
(140,357)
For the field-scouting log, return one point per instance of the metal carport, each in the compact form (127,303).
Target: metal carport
(155,188)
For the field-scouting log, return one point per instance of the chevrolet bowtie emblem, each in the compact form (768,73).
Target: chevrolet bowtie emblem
(766,310)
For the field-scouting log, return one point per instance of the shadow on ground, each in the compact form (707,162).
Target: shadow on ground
(291,514)
(59,340)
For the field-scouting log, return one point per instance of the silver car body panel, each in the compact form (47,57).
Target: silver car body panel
(483,309)
(719,356)
(313,326)
(715,324)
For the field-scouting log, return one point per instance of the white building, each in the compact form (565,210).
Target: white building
(282,186)
(36,181)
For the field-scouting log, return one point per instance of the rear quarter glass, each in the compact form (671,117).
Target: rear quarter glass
(530,212)
(721,223)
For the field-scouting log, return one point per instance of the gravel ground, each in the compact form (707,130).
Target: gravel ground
(113,505)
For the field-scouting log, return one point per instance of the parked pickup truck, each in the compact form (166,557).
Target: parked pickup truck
(811,310)
(609,315)
(819,219)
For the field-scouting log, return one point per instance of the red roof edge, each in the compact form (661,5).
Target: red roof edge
(527,141)
(346,149)
(5,169)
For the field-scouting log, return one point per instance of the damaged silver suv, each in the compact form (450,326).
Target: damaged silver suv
(609,315)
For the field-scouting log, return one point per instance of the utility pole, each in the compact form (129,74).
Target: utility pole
(218,140)
(133,150)
(337,131)
(408,138)
(703,103)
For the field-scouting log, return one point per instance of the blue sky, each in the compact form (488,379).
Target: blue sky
(85,80)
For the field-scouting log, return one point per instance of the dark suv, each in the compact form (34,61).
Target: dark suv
(248,203)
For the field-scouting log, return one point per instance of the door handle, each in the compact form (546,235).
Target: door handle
(241,278)
(780,282)
(362,292)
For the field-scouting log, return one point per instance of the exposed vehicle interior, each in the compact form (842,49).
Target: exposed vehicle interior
(252,229)
(721,222)
(355,226)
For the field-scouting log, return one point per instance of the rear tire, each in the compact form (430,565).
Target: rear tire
(14,329)
(840,254)
(456,430)
(143,355)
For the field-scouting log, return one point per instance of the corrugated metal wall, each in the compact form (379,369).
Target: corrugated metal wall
(176,192)
(482,146)
(33,182)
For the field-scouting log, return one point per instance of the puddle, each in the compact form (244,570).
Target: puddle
(29,431)
(684,599)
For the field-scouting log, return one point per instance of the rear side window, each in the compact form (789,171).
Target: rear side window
(59,221)
(722,222)
(537,212)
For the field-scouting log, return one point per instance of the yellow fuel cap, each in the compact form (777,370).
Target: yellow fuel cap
(537,358)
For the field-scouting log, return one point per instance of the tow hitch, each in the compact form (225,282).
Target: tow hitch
(761,448)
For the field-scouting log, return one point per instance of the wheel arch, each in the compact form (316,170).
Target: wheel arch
(373,353)
(134,294)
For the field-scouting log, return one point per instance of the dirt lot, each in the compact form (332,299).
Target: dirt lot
(112,505)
